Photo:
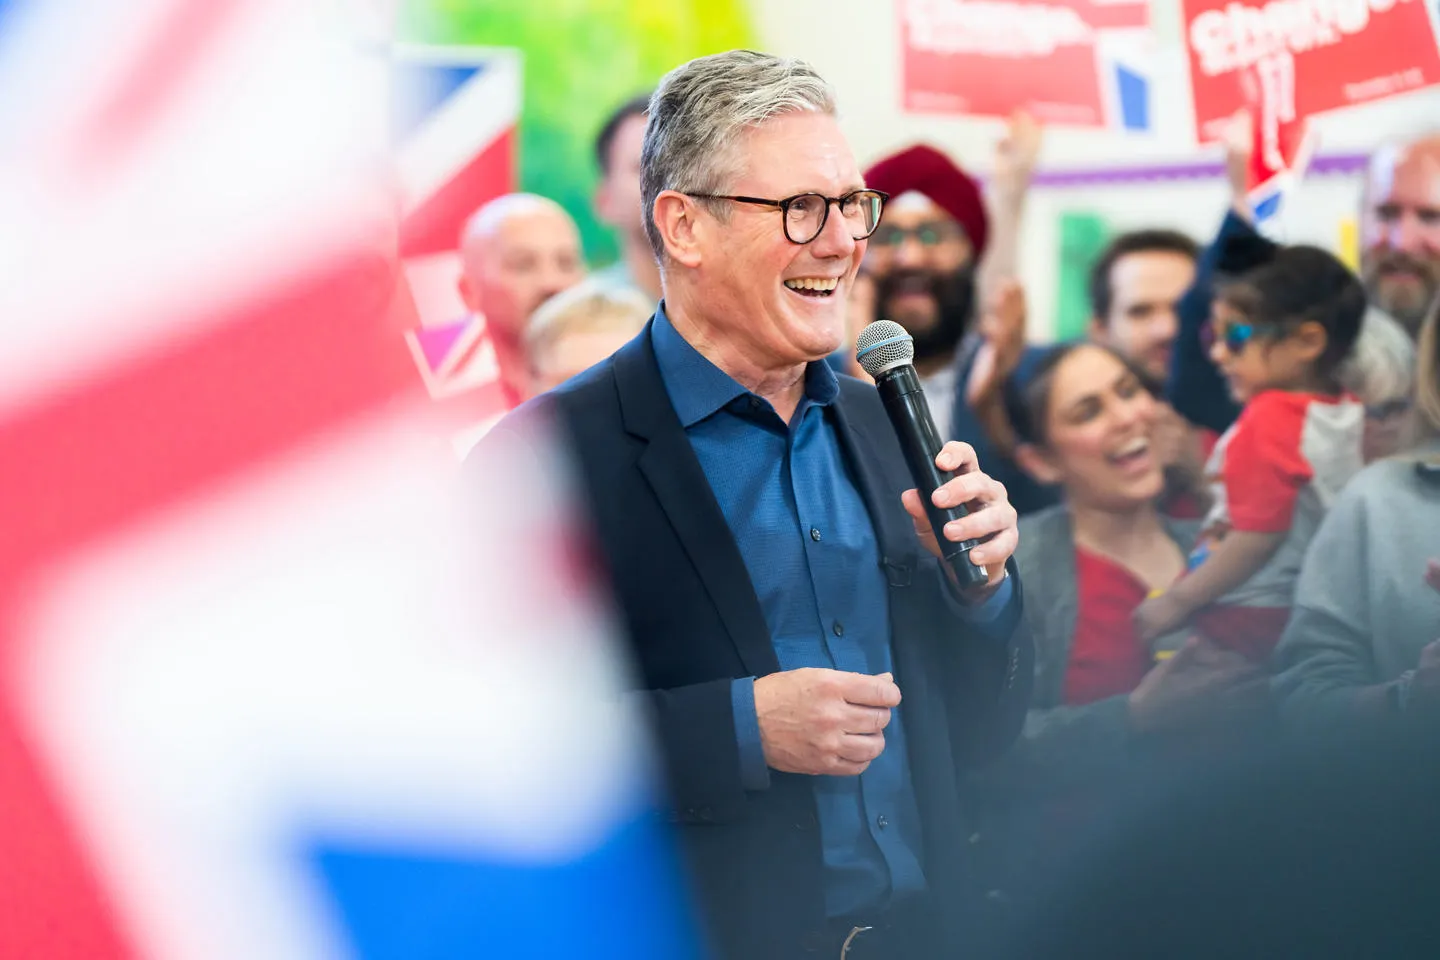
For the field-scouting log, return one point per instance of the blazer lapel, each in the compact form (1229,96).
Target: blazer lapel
(670,466)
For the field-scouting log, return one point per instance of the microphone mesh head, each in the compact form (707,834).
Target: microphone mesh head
(884,345)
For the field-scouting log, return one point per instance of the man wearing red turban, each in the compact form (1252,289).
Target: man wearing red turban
(940,248)
(922,260)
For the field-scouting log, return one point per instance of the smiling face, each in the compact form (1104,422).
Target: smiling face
(1142,323)
(1098,426)
(773,302)
(1401,231)
(1270,359)
(915,256)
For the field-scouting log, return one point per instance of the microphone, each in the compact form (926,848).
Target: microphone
(885,350)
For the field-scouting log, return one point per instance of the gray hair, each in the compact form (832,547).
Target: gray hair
(1381,366)
(1427,373)
(699,111)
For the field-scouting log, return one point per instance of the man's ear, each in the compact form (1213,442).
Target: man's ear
(1098,331)
(468,294)
(601,201)
(1034,462)
(675,219)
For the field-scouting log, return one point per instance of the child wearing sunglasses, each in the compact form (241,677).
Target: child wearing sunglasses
(1279,335)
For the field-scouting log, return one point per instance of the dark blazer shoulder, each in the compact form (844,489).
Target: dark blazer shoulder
(861,399)
(592,405)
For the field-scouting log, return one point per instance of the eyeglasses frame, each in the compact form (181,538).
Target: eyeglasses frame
(783,206)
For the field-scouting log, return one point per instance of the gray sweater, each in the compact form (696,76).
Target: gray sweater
(1058,736)
(1362,608)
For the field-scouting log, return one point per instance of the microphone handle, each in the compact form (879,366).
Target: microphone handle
(909,414)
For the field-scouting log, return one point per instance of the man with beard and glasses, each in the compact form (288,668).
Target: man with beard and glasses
(936,257)
(922,262)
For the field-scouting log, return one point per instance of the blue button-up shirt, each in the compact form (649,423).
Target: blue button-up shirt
(807,541)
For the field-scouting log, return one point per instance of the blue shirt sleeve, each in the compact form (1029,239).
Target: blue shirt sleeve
(996,617)
(754,773)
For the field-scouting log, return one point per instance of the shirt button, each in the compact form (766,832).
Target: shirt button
(882,822)
(838,629)
(815,534)
(754,403)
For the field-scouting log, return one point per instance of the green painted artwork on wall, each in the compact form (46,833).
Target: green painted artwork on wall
(1083,236)
(582,59)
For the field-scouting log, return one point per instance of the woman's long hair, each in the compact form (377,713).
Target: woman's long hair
(1427,376)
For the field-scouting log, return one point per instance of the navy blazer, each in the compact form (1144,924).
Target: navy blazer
(695,623)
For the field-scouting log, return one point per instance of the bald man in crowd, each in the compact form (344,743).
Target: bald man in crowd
(517,251)
(1400,255)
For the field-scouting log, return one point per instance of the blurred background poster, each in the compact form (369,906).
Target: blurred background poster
(1074,62)
(1304,60)
(1133,130)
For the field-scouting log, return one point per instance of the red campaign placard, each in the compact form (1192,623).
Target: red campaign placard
(1063,61)
(1297,58)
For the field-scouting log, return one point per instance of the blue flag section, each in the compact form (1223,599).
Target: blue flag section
(618,901)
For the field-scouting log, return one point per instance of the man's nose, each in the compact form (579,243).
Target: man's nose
(555,279)
(835,239)
(1407,234)
(1165,324)
(910,255)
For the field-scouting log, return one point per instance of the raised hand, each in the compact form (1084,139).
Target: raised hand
(1239,142)
(1002,326)
(1016,153)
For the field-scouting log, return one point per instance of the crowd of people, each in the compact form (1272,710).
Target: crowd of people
(1210,527)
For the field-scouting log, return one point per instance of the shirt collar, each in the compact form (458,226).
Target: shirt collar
(698,388)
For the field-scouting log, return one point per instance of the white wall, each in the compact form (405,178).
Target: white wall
(1312,216)
(856,45)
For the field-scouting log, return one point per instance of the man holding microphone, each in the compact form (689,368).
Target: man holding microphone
(817,679)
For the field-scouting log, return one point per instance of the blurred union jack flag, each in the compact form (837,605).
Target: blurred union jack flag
(263,692)
(454,115)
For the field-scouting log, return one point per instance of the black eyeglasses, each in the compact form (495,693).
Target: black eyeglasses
(926,234)
(805,214)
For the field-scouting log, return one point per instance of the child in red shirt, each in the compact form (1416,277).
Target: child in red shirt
(1279,334)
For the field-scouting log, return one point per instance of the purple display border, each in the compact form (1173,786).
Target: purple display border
(1338,163)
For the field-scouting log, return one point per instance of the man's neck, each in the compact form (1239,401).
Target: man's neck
(514,370)
(782,386)
(640,261)
(929,366)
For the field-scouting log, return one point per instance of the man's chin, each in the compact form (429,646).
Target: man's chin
(1406,299)
(916,318)
(1157,369)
